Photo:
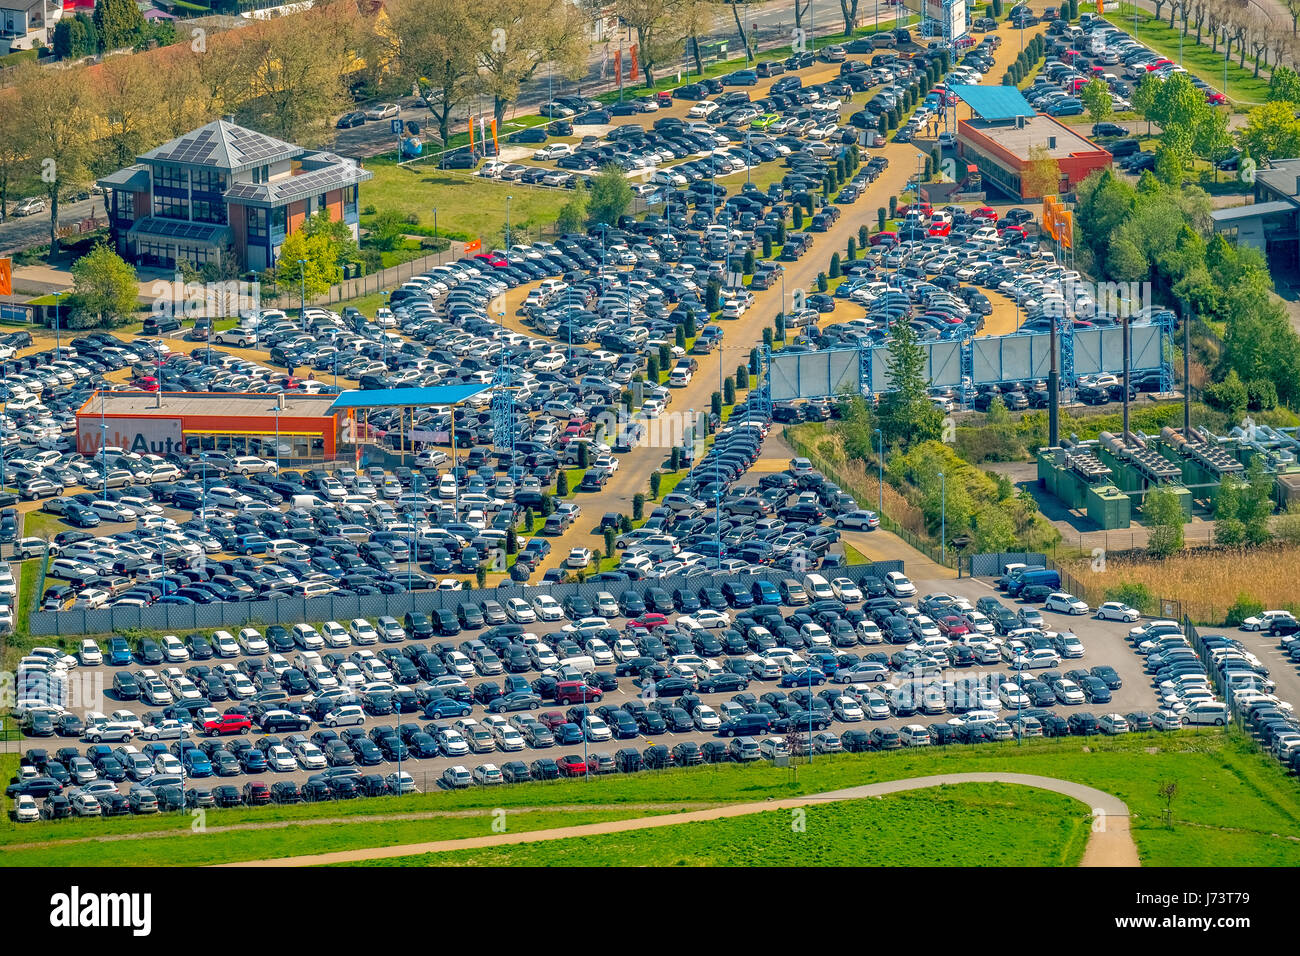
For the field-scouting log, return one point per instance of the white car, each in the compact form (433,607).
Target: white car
(706,718)
(174,649)
(520,612)
(553,151)
(335,634)
(363,632)
(578,558)
(90,653)
(547,608)
(625,650)
(252,642)
(26,810)
(1066,603)
(703,108)
(712,619)
(224,644)
(1117,611)
(1112,724)
(595,729)
(1068,692)
(1013,697)
(1265,620)
(898,585)
(280,759)
(848,710)
(846,591)
(1166,719)
(310,757)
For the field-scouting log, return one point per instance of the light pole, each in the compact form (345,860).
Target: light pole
(880,461)
(508,198)
(302,292)
(103,440)
(56,319)
(943,518)
(277,439)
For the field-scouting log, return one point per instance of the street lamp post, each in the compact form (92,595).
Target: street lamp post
(943,518)
(103,440)
(880,461)
(57,295)
(277,439)
(508,198)
(302,292)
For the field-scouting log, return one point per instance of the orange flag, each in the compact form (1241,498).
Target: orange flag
(6,277)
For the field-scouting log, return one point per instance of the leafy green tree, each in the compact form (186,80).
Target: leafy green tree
(104,285)
(1272,132)
(656,482)
(573,214)
(1096,97)
(120,24)
(907,415)
(562,484)
(1144,97)
(1163,514)
(1284,84)
(1228,528)
(610,195)
(638,507)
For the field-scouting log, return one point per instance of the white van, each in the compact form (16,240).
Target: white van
(583,664)
(311,589)
(308,501)
(818,587)
(1207,712)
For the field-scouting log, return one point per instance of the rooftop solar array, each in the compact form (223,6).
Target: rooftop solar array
(223,145)
(179,229)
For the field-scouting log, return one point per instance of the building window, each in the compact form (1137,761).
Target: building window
(209,181)
(171,177)
(256,223)
(280,219)
(322,202)
(170,206)
(209,211)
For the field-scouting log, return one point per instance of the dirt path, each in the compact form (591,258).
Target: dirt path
(1111,843)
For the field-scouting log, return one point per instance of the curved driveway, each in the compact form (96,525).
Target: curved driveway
(1111,843)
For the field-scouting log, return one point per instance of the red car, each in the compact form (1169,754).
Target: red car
(256,794)
(984,212)
(1011,232)
(493,260)
(940,228)
(884,239)
(572,765)
(576,692)
(953,627)
(1215,98)
(1152,67)
(647,622)
(552,719)
(227,724)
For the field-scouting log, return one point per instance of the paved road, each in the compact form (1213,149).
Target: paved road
(1111,843)
(29,231)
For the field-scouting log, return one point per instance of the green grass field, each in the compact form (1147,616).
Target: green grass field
(466,206)
(966,825)
(1235,806)
(1243,88)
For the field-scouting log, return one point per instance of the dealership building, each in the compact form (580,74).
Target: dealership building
(1003,129)
(298,428)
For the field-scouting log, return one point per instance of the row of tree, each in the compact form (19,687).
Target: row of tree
(112,25)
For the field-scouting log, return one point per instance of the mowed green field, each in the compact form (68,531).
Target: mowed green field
(971,824)
(1235,806)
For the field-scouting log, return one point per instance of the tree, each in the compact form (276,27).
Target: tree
(610,195)
(54,112)
(562,484)
(523,36)
(75,37)
(1163,514)
(729,391)
(295,86)
(1229,532)
(14,158)
(661,27)
(512,540)
(120,24)
(388,229)
(656,481)
(1096,97)
(638,506)
(320,243)
(1228,395)
(104,285)
(573,214)
(1041,175)
(611,536)
(437,43)
(907,415)
(1257,503)
(1272,132)
(1144,97)
(849,10)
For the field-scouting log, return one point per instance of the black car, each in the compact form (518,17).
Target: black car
(350,120)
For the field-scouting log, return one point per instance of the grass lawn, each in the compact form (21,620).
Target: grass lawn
(1235,806)
(669,482)
(966,825)
(1242,87)
(853,556)
(467,206)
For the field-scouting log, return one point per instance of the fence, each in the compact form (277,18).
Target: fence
(367,284)
(925,546)
(189,617)
(990,565)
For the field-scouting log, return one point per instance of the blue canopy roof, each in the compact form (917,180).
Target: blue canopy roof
(407,397)
(994,102)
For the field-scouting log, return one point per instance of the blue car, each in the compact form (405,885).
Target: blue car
(119,652)
(568,735)
(765,592)
(441,707)
(803,678)
(197,763)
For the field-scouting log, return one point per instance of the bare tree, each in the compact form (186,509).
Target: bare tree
(740,29)
(1293,8)
(849,9)
(127,90)
(437,44)
(661,28)
(1159,5)
(522,36)
(1258,26)
(1199,10)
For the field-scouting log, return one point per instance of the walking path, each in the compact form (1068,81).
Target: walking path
(1111,843)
